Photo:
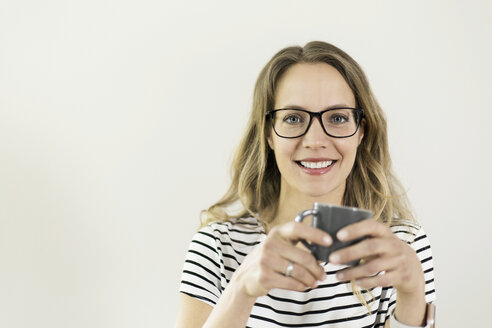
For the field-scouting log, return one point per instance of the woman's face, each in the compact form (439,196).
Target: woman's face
(314,87)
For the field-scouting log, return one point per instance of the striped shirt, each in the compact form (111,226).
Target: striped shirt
(219,248)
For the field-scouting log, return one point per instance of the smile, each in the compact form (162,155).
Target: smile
(316,165)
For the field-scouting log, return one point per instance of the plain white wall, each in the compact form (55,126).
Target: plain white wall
(118,120)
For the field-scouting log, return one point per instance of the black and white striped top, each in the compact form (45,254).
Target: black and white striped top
(219,248)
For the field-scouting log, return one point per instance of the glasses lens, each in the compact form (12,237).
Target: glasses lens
(341,122)
(291,123)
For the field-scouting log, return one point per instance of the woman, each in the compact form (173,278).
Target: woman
(316,134)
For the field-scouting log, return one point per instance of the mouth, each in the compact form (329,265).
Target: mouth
(315,165)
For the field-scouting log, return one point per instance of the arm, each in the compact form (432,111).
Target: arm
(229,311)
(408,311)
(396,262)
(192,312)
(260,271)
(232,310)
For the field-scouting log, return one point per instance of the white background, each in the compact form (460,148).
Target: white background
(118,120)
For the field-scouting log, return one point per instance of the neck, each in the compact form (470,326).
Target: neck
(292,203)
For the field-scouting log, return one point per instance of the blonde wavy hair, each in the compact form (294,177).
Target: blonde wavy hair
(255,177)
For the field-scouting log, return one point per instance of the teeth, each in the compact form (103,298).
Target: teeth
(316,165)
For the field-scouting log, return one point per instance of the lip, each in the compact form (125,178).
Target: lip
(318,159)
(319,171)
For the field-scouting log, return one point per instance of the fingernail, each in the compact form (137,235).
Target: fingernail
(340,276)
(327,240)
(342,234)
(334,258)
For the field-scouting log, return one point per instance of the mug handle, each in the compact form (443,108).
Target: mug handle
(299,218)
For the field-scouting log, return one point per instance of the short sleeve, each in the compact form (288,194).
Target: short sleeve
(201,276)
(419,241)
(422,247)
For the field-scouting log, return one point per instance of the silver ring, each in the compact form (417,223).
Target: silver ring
(288,269)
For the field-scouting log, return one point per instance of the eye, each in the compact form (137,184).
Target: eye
(293,119)
(338,119)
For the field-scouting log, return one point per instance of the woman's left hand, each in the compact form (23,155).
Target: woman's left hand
(382,252)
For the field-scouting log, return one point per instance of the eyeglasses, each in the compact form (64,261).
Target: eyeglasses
(339,122)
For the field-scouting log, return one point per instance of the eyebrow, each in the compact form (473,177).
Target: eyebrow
(305,108)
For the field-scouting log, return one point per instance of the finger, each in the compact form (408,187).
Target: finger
(368,269)
(363,228)
(273,275)
(294,231)
(281,281)
(363,249)
(384,279)
(278,252)
(298,272)
(301,274)
(302,258)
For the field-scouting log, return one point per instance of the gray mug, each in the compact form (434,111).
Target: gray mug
(331,218)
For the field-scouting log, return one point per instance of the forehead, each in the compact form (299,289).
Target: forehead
(314,87)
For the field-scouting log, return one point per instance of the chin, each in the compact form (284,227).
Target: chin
(323,191)
(314,193)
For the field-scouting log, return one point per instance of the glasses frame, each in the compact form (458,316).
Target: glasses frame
(270,114)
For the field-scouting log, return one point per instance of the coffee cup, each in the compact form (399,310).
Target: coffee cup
(331,218)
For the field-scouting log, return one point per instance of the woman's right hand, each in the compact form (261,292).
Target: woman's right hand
(264,268)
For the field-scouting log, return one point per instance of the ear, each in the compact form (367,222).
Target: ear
(269,138)
(270,141)
(362,129)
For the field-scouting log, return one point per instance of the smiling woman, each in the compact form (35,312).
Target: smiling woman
(316,134)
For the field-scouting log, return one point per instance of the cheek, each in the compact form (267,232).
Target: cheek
(284,151)
(347,148)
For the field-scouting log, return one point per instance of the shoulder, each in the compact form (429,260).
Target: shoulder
(415,236)
(408,231)
(245,225)
(245,231)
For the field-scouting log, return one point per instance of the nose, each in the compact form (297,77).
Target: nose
(315,137)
